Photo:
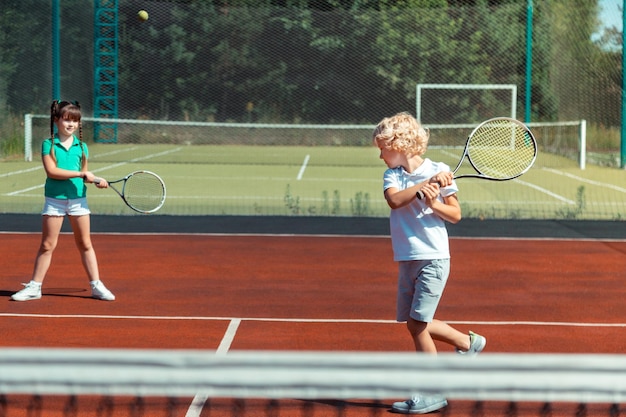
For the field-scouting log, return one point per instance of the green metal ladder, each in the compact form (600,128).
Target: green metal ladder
(105,69)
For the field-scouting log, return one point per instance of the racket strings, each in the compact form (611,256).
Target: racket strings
(502,149)
(144,192)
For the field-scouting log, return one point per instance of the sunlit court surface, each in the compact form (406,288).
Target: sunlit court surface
(224,285)
(256,277)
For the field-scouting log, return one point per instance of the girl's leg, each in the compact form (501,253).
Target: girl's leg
(81,225)
(82,236)
(51,228)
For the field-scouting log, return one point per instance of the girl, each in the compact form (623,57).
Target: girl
(64,159)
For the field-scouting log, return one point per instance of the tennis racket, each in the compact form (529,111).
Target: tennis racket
(498,149)
(142,191)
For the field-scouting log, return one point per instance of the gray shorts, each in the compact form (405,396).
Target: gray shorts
(420,287)
(62,207)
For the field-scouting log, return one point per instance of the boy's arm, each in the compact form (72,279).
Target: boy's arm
(399,198)
(449,209)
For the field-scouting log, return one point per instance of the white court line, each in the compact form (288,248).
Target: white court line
(545,191)
(25,190)
(197,404)
(40,166)
(266,178)
(303,167)
(228,338)
(536,187)
(22,171)
(537,323)
(235,321)
(115,152)
(332,236)
(586,180)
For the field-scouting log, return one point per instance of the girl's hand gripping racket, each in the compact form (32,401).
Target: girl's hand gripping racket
(142,191)
(498,149)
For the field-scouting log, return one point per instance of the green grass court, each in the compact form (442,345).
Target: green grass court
(327,181)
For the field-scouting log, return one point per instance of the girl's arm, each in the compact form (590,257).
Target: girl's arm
(56,173)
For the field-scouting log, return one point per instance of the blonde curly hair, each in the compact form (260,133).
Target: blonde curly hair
(401,133)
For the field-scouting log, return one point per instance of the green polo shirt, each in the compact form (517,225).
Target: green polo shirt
(66,159)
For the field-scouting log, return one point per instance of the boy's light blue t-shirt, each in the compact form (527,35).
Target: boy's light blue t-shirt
(66,159)
(417,233)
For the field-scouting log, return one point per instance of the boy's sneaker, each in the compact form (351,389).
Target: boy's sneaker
(98,290)
(420,404)
(477,344)
(31,291)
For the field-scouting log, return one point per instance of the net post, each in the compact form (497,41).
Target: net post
(513,101)
(623,111)
(28,137)
(418,103)
(583,144)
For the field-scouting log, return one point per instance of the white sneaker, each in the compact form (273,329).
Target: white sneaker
(98,290)
(31,291)
(420,404)
(477,344)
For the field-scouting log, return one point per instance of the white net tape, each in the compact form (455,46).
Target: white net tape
(251,374)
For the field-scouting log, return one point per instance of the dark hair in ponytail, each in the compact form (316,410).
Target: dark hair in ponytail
(66,110)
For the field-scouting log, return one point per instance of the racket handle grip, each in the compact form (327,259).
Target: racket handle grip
(97,180)
(420,194)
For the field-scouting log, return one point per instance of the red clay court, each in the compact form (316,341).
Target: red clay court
(304,287)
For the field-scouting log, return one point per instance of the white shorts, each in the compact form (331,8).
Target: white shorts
(420,287)
(62,207)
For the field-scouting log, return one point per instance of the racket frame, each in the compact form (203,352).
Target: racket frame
(122,195)
(469,158)
(420,195)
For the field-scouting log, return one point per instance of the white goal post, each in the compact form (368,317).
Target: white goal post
(511,87)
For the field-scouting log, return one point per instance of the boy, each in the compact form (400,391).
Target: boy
(420,241)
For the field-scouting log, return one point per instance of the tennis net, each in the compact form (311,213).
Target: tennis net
(101,382)
(161,141)
(313,170)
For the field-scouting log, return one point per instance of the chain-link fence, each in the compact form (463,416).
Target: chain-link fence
(354,62)
(314,63)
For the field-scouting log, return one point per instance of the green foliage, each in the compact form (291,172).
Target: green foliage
(335,208)
(291,202)
(322,61)
(8,63)
(336,202)
(11,137)
(603,145)
(328,207)
(602,138)
(575,212)
(360,204)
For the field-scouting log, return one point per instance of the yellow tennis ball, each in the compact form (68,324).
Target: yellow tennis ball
(142,15)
